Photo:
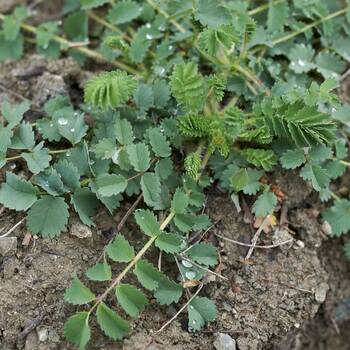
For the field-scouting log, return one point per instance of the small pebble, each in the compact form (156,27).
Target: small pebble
(8,246)
(224,342)
(43,334)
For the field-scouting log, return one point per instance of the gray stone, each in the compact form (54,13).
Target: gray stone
(224,342)
(43,334)
(321,292)
(8,246)
(79,230)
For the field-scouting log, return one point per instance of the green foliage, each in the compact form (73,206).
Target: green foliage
(17,193)
(205,94)
(187,85)
(78,293)
(109,90)
(200,311)
(338,217)
(48,216)
(77,329)
(131,299)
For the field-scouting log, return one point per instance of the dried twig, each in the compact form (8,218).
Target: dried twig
(256,246)
(129,212)
(167,323)
(256,237)
(12,228)
(288,285)
(31,326)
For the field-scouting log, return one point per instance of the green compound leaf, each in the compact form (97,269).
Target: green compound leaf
(6,134)
(159,143)
(68,173)
(131,299)
(13,113)
(48,129)
(99,272)
(139,156)
(187,85)
(78,293)
(211,40)
(16,193)
(109,90)
(112,324)
(37,160)
(120,249)
(110,184)
(151,188)
(338,216)
(48,216)
(212,14)
(193,164)
(293,158)
(200,311)
(265,204)
(123,12)
(85,204)
(124,132)
(105,149)
(319,153)
(167,291)
(11,49)
(50,181)
(317,175)
(23,137)
(301,57)
(161,93)
(77,330)
(180,201)
(143,97)
(277,16)
(72,126)
(204,253)
(329,65)
(147,222)
(240,180)
(12,23)
(147,275)
(261,158)
(194,125)
(169,242)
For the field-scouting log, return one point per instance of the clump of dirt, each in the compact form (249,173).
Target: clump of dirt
(38,79)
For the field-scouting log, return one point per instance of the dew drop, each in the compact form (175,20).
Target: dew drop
(51,125)
(149,36)
(333,109)
(76,114)
(45,46)
(301,63)
(194,321)
(186,263)
(68,154)
(62,121)
(72,130)
(191,307)
(148,25)
(190,275)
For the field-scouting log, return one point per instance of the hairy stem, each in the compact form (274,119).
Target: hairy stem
(59,151)
(309,26)
(264,7)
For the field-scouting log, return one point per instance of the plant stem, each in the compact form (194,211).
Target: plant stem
(334,196)
(108,25)
(167,16)
(84,50)
(309,26)
(264,7)
(133,262)
(50,152)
